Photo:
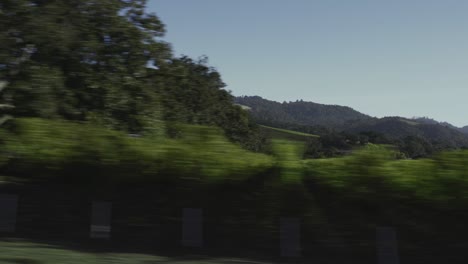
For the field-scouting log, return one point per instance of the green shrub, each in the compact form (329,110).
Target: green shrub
(44,148)
(374,171)
(289,156)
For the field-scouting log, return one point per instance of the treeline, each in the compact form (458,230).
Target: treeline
(105,63)
(339,143)
(333,143)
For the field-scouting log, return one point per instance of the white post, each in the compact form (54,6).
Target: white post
(101,220)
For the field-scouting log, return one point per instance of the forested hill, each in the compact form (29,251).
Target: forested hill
(401,128)
(299,112)
(422,135)
(426,120)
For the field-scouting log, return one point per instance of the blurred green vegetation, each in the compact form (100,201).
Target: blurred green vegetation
(44,149)
(338,199)
(40,149)
(289,155)
(375,170)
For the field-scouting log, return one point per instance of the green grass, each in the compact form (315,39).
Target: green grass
(289,132)
(34,253)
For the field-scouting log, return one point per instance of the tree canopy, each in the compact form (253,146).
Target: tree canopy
(105,62)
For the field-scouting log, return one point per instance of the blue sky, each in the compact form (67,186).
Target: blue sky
(383,58)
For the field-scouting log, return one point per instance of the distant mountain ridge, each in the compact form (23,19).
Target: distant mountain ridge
(300,112)
(427,120)
(346,119)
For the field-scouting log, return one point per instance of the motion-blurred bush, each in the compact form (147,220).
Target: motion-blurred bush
(38,149)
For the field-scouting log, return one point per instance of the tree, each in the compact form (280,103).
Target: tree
(82,60)
(193,92)
(415,147)
(103,62)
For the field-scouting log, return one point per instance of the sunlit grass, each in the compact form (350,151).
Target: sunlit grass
(26,252)
(290,131)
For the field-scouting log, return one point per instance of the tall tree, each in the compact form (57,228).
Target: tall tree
(81,60)
(104,62)
(193,92)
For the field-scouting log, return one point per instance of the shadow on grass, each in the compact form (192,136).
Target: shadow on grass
(28,249)
(19,261)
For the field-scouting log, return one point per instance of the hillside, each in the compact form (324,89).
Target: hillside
(287,134)
(426,120)
(299,112)
(464,129)
(314,118)
(399,128)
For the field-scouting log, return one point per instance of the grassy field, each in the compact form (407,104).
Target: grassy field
(17,251)
(287,134)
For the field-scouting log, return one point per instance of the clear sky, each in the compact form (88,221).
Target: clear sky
(383,58)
